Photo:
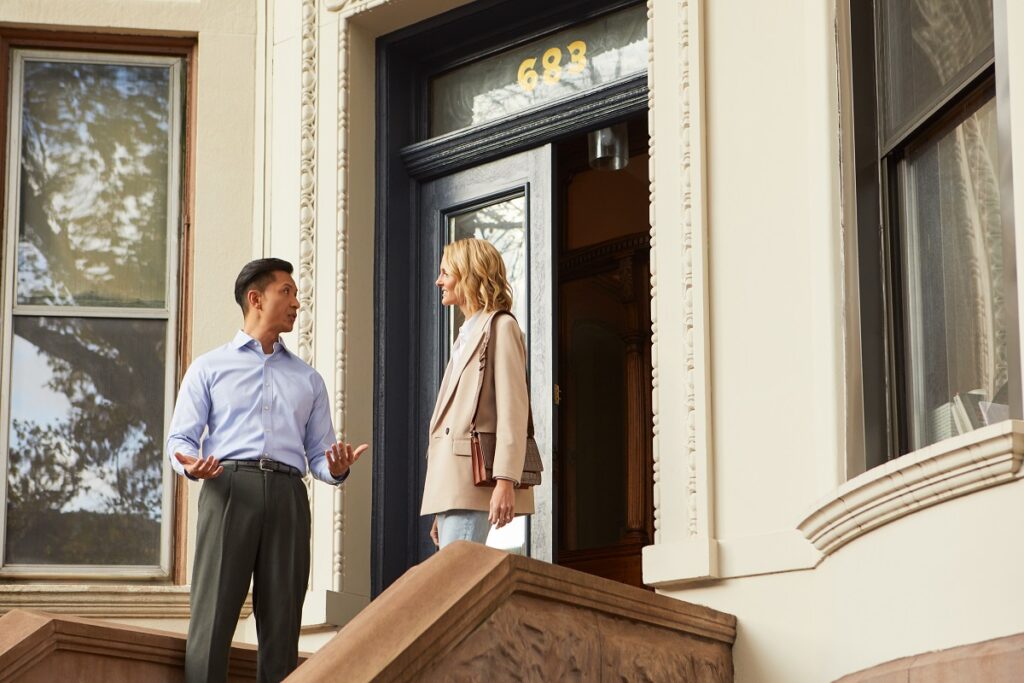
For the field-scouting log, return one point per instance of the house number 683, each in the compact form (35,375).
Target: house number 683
(551,64)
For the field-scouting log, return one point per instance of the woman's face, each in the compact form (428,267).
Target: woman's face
(446,283)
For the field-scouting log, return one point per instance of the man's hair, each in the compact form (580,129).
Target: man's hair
(257,275)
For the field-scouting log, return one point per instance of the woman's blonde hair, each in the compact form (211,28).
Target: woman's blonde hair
(480,274)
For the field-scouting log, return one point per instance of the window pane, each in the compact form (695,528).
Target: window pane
(503,224)
(85,465)
(953,260)
(928,47)
(95,159)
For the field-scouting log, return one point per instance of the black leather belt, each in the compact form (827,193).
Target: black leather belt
(262,465)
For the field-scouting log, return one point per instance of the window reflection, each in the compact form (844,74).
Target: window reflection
(95,145)
(956,311)
(86,429)
(926,46)
(503,224)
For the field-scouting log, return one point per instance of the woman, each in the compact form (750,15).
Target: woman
(473,278)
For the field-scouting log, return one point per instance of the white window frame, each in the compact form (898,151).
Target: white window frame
(168,313)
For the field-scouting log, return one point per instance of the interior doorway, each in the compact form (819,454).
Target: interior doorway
(604,434)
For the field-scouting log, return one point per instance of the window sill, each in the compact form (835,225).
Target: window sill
(984,458)
(103,601)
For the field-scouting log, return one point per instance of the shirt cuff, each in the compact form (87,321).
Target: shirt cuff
(514,482)
(342,478)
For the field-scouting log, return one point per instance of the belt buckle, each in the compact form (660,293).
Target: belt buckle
(269,468)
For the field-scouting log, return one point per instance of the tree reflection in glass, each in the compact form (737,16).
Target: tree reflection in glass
(503,224)
(87,394)
(94,167)
(85,465)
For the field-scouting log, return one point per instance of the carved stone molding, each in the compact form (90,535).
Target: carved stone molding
(340,301)
(350,7)
(686,213)
(683,472)
(967,463)
(652,152)
(307,200)
(307,180)
(476,613)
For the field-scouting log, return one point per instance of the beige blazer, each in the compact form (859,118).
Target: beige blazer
(504,410)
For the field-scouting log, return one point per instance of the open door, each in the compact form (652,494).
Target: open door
(508,203)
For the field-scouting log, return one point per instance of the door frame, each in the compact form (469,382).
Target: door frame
(404,160)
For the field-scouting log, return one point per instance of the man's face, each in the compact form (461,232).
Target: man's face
(279,303)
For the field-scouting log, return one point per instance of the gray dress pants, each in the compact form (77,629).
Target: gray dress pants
(253,525)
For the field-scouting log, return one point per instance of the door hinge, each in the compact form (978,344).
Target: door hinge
(558,395)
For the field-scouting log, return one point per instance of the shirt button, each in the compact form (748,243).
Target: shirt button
(266,408)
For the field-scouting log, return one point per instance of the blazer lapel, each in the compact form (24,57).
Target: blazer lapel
(444,390)
(452,375)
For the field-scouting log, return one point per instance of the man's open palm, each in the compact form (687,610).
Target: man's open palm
(341,456)
(200,468)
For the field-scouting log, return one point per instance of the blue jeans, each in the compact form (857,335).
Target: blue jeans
(462,525)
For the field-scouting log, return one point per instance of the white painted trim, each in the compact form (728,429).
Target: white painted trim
(691,559)
(674,564)
(782,551)
(683,465)
(970,462)
(262,196)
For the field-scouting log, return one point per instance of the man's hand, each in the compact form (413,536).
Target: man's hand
(503,504)
(433,533)
(200,468)
(340,457)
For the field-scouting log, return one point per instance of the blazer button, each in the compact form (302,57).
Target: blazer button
(446,430)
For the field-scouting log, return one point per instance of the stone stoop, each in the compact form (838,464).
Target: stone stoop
(1000,660)
(472,613)
(38,647)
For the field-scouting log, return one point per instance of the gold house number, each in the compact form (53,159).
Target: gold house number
(552,64)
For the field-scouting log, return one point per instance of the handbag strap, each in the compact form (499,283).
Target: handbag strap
(480,381)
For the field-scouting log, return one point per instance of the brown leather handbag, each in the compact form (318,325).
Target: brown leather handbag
(482,444)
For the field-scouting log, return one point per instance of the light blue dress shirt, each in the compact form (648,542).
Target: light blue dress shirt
(253,405)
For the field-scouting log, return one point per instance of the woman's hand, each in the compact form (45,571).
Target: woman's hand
(503,504)
(433,533)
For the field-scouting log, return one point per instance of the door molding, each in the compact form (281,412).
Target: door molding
(601,106)
(405,59)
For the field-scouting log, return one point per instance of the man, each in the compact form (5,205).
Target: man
(267,417)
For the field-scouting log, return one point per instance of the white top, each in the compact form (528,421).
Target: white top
(465,332)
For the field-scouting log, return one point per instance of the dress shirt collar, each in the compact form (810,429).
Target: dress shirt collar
(242,339)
